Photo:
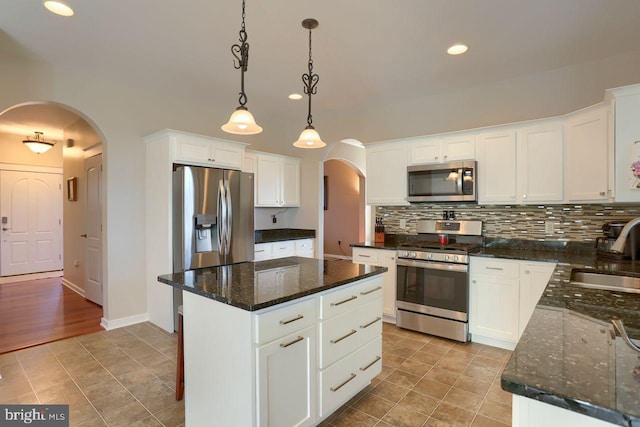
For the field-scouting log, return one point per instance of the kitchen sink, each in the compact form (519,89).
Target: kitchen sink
(607,282)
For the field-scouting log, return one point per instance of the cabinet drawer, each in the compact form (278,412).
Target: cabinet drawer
(365,256)
(494,267)
(282,249)
(262,251)
(343,300)
(283,321)
(344,379)
(343,334)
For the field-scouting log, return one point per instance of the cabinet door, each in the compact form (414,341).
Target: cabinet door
(262,251)
(290,182)
(540,164)
(387,174)
(225,155)
(388,259)
(493,307)
(534,277)
(587,157)
(497,168)
(304,248)
(456,148)
(268,181)
(286,380)
(424,151)
(191,149)
(283,249)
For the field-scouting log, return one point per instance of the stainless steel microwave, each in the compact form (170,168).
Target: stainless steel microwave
(444,182)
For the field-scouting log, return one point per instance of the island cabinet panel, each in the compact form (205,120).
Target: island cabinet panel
(286,380)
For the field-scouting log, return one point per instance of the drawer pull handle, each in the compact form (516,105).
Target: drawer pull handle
(364,256)
(494,268)
(286,322)
(371,323)
(371,291)
(371,364)
(259,250)
(344,383)
(353,331)
(335,304)
(285,345)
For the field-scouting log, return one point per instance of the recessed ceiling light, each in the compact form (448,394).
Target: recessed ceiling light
(295,96)
(457,49)
(58,7)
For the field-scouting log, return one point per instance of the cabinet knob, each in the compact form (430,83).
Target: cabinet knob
(527,272)
(602,193)
(524,196)
(445,156)
(436,157)
(473,281)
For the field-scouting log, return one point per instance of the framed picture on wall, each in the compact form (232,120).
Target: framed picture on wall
(72,189)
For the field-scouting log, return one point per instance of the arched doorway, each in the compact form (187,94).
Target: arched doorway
(78,142)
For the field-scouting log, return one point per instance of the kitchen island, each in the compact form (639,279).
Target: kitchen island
(570,367)
(279,342)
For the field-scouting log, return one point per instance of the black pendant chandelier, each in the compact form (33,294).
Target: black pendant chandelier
(241,121)
(309,138)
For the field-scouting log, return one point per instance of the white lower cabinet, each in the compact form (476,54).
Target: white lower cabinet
(285,248)
(286,380)
(384,258)
(503,295)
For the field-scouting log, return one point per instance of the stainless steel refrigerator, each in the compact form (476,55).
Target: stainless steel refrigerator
(212,219)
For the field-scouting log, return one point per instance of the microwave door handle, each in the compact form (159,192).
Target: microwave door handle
(459,181)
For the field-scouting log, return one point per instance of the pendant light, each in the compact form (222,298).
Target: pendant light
(241,121)
(37,143)
(309,138)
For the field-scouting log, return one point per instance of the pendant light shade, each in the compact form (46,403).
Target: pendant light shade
(309,138)
(241,121)
(37,143)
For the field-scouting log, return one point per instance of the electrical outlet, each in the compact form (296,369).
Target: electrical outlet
(339,242)
(274,219)
(403,224)
(548,227)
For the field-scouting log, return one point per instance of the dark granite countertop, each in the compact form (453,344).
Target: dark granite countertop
(281,234)
(240,284)
(569,355)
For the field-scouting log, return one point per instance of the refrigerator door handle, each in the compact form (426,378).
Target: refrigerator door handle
(229,219)
(221,218)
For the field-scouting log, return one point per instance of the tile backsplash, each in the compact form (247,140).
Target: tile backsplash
(581,223)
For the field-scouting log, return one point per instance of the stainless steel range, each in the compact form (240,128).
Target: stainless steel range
(433,278)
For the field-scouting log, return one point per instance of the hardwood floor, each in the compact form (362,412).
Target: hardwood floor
(41,311)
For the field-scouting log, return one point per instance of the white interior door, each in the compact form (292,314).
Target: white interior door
(93,221)
(31,222)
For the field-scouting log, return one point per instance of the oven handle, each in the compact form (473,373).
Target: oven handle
(432,265)
(459,181)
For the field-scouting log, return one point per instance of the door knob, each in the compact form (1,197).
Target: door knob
(84,235)
(6,228)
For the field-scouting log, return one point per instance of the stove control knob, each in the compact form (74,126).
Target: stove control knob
(430,256)
(455,258)
(404,254)
(414,255)
(446,257)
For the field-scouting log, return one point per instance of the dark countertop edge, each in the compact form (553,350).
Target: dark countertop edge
(271,235)
(256,307)
(569,403)
(283,239)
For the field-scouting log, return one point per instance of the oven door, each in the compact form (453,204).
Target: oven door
(433,288)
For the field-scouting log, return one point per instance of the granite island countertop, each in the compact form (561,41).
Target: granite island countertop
(569,355)
(239,284)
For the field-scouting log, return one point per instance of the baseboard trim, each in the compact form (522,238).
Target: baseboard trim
(32,276)
(75,288)
(493,342)
(123,321)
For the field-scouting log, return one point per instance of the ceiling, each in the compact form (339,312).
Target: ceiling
(366,52)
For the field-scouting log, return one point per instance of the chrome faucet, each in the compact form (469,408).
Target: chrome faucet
(618,245)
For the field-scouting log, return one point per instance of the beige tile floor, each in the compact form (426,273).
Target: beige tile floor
(126,377)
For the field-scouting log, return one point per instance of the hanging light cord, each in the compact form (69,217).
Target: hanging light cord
(241,53)
(310,81)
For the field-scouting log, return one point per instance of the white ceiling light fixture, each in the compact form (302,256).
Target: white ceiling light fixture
(241,121)
(457,49)
(37,143)
(58,7)
(309,138)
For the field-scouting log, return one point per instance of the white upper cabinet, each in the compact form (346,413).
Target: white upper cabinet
(540,163)
(497,167)
(442,150)
(206,151)
(387,173)
(277,181)
(587,157)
